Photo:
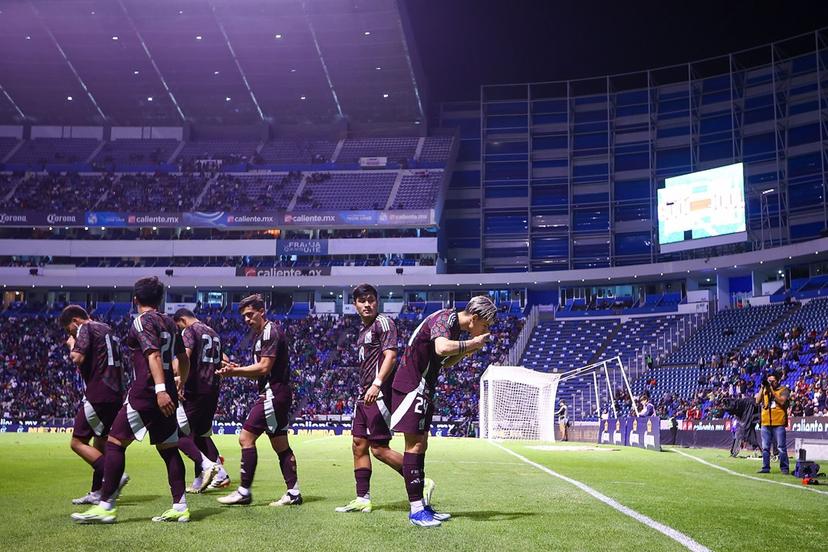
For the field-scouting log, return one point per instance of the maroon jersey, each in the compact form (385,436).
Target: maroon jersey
(205,358)
(373,340)
(101,370)
(419,360)
(271,342)
(152,331)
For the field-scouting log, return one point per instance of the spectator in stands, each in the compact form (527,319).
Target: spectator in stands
(773,398)
(647,408)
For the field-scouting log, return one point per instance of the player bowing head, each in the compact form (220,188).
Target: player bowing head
(95,350)
(200,395)
(435,344)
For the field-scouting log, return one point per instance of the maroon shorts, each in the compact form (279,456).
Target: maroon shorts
(371,421)
(94,420)
(195,414)
(270,414)
(135,424)
(411,412)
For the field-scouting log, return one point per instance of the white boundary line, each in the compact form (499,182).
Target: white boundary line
(677,536)
(731,472)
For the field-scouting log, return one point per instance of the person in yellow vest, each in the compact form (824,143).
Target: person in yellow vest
(773,399)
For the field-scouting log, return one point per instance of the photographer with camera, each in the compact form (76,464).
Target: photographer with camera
(773,399)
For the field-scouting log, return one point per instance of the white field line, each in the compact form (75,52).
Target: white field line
(666,530)
(761,480)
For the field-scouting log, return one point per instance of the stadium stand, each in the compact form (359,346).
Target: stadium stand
(418,191)
(395,149)
(41,152)
(135,154)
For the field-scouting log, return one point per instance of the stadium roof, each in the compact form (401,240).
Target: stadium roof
(164,62)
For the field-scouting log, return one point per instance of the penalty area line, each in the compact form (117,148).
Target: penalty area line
(666,530)
(746,476)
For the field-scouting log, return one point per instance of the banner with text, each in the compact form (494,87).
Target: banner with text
(273,272)
(223,219)
(642,432)
(302,247)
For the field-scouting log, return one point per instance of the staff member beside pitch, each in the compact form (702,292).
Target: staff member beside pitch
(773,398)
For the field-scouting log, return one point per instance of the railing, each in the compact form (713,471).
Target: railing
(667,342)
(513,359)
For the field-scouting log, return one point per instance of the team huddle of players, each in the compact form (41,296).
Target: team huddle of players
(178,365)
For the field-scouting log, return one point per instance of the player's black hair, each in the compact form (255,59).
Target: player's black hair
(149,291)
(256,301)
(183,313)
(72,311)
(363,289)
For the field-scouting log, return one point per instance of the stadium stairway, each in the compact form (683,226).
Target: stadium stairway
(604,344)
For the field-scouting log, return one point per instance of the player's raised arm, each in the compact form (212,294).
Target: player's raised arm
(447,347)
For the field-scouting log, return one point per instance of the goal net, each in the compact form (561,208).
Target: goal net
(517,403)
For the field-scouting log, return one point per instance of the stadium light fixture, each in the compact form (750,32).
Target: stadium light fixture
(385,95)
(28,37)
(86,228)
(303,97)
(292,70)
(215,72)
(768,191)
(378,68)
(199,37)
(227,98)
(103,227)
(154,228)
(149,98)
(277,35)
(180,12)
(135,72)
(69,98)
(115,37)
(367,33)
(187,228)
(50,228)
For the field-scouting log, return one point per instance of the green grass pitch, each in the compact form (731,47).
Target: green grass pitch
(499,502)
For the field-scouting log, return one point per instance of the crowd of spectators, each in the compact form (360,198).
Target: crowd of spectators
(799,353)
(38,382)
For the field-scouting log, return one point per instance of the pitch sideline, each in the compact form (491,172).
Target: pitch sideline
(666,530)
(746,476)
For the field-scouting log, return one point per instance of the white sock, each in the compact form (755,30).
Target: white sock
(106,505)
(295,490)
(221,473)
(180,506)
(417,506)
(365,497)
(206,463)
(244,491)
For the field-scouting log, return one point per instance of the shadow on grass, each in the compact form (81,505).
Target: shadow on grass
(482,515)
(491,515)
(203,513)
(126,500)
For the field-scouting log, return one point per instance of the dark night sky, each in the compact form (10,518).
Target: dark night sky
(465,43)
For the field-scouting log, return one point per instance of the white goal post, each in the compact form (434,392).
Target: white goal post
(518,403)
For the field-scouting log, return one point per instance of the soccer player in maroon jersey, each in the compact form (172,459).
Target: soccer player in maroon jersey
(377,346)
(435,344)
(271,412)
(199,401)
(150,406)
(95,350)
